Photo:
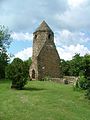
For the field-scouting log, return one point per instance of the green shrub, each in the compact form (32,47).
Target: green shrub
(81,83)
(17,73)
(19,81)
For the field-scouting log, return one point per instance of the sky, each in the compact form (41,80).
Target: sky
(69,20)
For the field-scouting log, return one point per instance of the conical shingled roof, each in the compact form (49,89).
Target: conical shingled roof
(44,27)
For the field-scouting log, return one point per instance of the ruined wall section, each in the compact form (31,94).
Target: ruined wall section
(49,61)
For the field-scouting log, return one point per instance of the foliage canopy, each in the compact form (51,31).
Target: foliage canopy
(4,44)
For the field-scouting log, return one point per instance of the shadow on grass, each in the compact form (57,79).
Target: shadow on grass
(33,89)
(4,81)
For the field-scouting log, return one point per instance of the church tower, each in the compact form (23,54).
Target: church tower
(45,58)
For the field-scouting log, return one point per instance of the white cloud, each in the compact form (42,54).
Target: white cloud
(66,37)
(75,3)
(75,18)
(67,52)
(22,36)
(24,16)
(24,54)
(21,16)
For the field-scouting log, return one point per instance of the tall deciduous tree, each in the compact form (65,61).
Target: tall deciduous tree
(4,44)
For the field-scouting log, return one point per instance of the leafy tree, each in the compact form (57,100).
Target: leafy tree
(65,67)
(17,73)
(75,65)
(86,62)
(4,44)
(78,65)
(86,65)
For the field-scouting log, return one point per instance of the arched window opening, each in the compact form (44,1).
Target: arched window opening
(49,36)
(33,74)
(35,36)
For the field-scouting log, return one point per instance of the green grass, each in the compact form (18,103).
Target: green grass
(42,101)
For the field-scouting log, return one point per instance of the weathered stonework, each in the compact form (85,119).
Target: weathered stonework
(45,58)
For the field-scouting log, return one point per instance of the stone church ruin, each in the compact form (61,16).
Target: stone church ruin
(45,58)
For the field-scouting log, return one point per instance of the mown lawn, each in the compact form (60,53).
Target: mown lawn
(43,101)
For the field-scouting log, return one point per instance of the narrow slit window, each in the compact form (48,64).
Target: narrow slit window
(49,36)
(35,36)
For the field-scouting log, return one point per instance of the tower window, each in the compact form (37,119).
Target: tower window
(49,36)
(35,36)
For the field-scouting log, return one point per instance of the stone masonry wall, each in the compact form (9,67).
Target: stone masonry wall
(49,61)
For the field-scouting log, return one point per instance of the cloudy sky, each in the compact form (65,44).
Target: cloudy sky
(69,19)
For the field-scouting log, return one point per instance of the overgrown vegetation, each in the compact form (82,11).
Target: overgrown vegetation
(81,83)
(79,66)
